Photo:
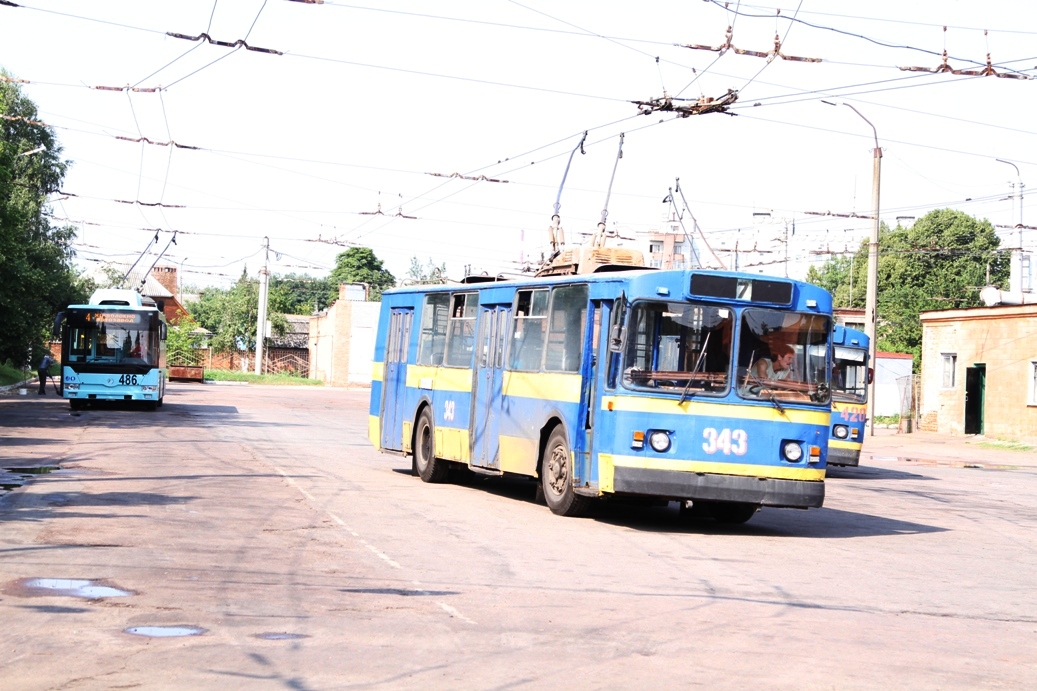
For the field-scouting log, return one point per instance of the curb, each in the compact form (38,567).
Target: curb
(28,383)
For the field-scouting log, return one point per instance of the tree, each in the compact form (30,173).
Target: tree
(231,314)
(295,294)
(940,262)
(360,265)
(182,341)
(431,273)
(36,276)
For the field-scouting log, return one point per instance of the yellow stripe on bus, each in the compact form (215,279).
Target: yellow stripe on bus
(668,406)
(374,430)
(439,378)
(452,444)
(742,469)
(518,455)
(838,444)
(548,386)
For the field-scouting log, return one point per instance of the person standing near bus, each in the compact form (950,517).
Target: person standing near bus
(44,373)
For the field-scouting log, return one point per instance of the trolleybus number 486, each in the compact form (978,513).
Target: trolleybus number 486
(128,380)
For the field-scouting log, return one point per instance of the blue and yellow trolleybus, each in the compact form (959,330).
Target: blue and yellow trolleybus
(711,388)
(851,374)
(113,349)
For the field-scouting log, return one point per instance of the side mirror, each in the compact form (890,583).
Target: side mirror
(619,314)
(616,339)
(162,331)
(56,332)
(871,374)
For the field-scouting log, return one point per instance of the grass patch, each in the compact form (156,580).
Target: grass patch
(9,374)
(1004,445)
(248,377)
(887,419)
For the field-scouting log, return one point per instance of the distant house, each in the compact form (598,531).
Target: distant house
(979,371)
(342,340)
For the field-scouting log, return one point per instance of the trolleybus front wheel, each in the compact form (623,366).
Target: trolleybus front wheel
(428,467)
(556,477)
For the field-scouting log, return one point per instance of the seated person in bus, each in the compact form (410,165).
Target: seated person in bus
(778,366)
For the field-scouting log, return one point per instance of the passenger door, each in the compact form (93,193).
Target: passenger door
(394,380)
(598,423)
(494,321)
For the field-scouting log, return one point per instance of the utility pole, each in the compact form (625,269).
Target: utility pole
(1015,279)
(871,299)
(264,279)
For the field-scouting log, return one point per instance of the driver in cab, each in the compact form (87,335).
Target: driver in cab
(778,366)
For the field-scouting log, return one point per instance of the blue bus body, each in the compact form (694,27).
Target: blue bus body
(851,375)
(113,349)
(627,383)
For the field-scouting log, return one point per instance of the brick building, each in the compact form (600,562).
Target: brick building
(979,371)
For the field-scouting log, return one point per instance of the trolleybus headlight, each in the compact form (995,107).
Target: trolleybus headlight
(840,431)
(792,450)
(149,387)
(659,441)
(71,387)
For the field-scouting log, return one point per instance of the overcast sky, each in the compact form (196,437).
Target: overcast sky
(369,104)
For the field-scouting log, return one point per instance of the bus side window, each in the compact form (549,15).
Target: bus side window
(567,325)
(527,336)
(432,340)
(462,330)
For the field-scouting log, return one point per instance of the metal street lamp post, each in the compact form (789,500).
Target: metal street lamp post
(871,299)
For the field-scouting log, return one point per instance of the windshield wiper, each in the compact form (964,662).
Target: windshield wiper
(686,394)
(770,394)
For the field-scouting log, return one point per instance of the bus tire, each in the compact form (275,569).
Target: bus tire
(732,512)
(556,479)
(428,467)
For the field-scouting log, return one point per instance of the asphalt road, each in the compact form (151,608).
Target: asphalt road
(262,516)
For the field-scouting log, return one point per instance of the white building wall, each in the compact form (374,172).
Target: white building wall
(361,341)
(887,390)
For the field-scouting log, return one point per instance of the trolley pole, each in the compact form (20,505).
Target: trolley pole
(264,280)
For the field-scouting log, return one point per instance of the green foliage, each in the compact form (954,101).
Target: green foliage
(938,263)
(182,342)
(295,294)
(11,374)
(360,265)
(231,315)
(283,379)
(36,276)
(431,273)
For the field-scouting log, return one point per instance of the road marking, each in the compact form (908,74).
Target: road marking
(291,481)
(452,611)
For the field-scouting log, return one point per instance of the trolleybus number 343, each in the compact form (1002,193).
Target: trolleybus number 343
(729,441)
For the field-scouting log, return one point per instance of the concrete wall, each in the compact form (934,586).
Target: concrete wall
(1002,338)
(342,342)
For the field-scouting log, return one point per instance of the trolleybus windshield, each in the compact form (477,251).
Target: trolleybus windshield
(783,356)
(113,336)
(850,375)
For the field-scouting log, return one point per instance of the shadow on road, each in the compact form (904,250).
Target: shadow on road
(870,473)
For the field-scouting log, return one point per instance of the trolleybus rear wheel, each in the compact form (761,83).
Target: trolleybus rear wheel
(428,467)
(556,477)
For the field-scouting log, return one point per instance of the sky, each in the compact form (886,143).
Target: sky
(442,130)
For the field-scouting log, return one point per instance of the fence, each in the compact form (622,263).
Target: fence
(294,361)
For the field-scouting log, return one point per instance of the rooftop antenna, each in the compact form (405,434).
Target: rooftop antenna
(555,231)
